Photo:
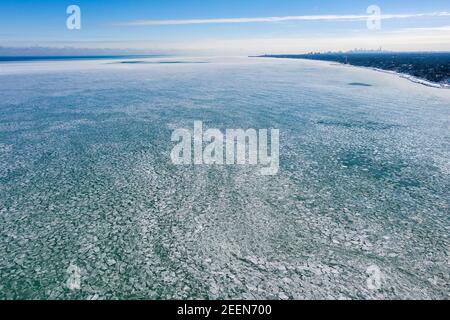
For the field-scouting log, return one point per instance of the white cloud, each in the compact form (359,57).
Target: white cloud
(435,38)
(278,19)
(412,40)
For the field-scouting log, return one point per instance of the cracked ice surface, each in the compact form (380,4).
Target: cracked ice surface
(87,183)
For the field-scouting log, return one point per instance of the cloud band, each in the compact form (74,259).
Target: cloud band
(278,19)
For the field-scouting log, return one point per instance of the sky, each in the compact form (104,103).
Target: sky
(225,27)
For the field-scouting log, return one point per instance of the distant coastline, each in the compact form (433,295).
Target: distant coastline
(72,57)
(429,69)
(412,78)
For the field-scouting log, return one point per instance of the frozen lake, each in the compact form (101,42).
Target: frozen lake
(86,182)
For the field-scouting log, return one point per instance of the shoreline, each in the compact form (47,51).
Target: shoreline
(398,74)
(407,77)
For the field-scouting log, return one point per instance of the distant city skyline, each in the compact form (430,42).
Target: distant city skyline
(231,27)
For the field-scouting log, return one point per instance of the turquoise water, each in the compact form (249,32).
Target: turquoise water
(86,180)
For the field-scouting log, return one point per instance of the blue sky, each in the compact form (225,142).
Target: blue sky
(136,24)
